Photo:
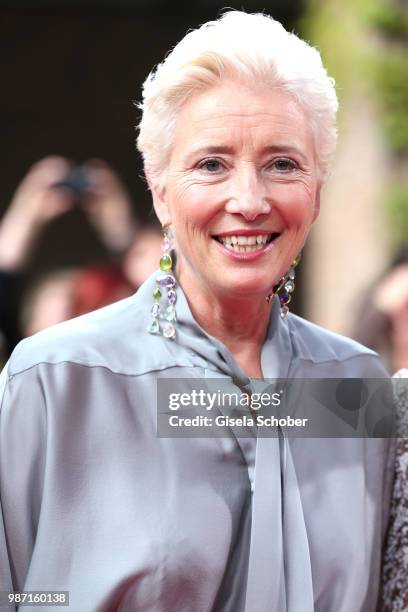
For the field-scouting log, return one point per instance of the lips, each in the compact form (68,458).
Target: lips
(246,243)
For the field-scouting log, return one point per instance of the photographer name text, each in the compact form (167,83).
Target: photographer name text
(242,421)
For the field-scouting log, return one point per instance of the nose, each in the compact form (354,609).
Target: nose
(248,196)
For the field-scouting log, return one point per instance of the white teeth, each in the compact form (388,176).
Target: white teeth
(245,240)
(245,244)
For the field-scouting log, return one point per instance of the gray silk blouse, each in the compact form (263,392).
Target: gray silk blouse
(93,502)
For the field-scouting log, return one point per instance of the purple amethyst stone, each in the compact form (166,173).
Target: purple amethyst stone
(284,298)
(171,296)
(166,280)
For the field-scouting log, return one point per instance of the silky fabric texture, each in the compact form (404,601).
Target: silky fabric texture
(95,503)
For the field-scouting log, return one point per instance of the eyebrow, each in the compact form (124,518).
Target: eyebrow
(279,148)
(211,150)
(276,148)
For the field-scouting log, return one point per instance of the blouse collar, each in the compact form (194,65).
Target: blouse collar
(276,353)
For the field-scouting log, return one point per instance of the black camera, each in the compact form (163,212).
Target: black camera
(76,180)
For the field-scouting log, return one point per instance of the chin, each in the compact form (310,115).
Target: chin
(245,284)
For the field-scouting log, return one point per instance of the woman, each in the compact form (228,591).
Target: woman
(382,323)
(237,131)
(395,566)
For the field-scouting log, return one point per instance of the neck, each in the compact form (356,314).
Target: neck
(239,322)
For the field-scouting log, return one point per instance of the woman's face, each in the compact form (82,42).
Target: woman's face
(241,191)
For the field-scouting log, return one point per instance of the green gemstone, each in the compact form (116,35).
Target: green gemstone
(166,263)
(157,294)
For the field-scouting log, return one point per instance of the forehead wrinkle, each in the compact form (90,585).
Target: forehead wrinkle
(216,123)
(226,142)
(277,126)
(210,109)
(255,120)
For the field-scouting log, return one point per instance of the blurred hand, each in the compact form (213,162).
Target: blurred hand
(391,296)
(34,204)
(399,338)
(37,198)
(108,207)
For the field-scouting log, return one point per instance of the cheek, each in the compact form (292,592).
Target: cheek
(295,205)
(193,207)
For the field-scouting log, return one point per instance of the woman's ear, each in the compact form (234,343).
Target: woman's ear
(159,201)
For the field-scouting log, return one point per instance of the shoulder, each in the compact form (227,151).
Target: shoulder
(318,345)
(114,337)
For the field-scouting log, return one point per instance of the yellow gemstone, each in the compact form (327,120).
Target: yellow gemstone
(166,263)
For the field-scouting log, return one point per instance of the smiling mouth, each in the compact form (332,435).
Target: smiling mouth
(246,244)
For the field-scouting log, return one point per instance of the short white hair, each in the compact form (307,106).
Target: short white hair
(250,48)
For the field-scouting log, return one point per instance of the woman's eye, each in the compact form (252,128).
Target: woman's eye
(284,165)
(210,165)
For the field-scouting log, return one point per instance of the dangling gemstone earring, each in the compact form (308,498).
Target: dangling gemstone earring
(284,288)
(165,290)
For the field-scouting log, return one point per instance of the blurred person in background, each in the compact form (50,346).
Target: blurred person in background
(140,261)
(237,132)
(97,286)
(391,299)
(382,319)
(34,205)
(64,294)
(52,187)
(107,206)
(48,300)
(385,327)
(395,560)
